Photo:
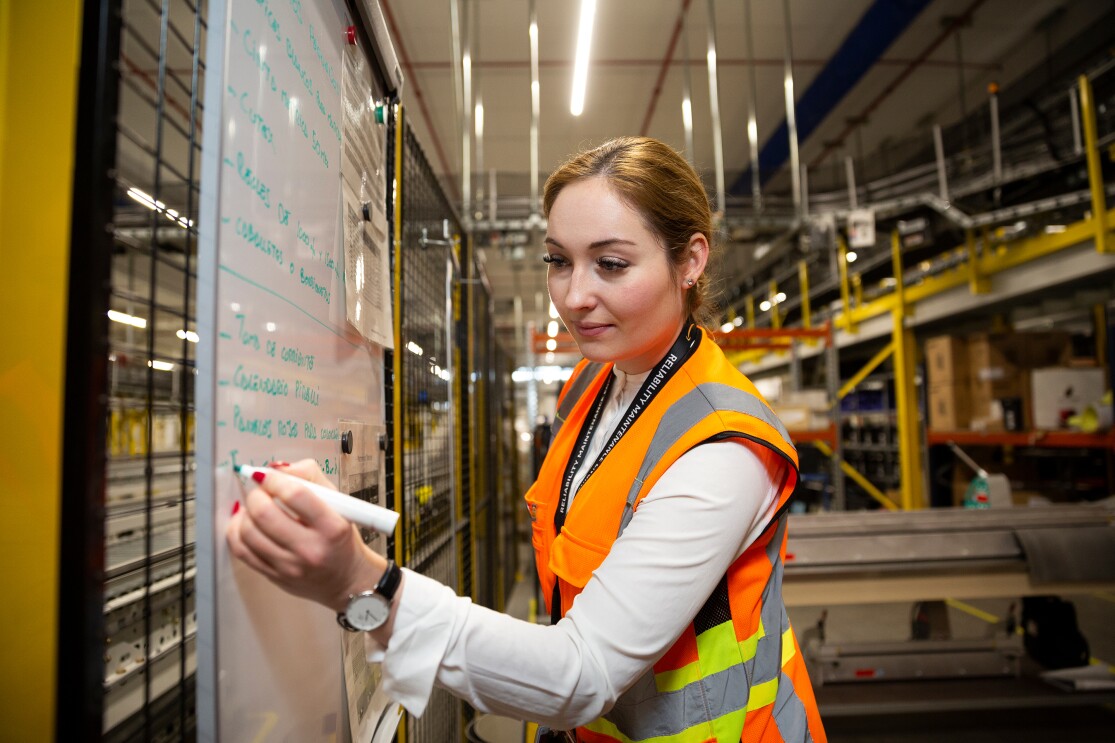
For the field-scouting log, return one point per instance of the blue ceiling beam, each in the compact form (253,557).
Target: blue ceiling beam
(877,29)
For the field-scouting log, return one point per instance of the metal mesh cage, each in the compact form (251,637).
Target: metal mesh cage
(423,390)
(149,617)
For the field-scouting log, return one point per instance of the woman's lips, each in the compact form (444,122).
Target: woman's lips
(591,330)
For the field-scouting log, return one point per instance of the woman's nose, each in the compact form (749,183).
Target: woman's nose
(580,292)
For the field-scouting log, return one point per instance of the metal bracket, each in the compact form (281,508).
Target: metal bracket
(447,239)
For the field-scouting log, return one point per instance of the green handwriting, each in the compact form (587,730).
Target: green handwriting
(253,382)
(254,426)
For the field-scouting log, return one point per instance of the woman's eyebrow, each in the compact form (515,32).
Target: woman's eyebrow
(594,244)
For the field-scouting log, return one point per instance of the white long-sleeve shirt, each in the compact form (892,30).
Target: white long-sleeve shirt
(701,515)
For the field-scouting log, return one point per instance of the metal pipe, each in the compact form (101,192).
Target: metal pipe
(996,147)
(850,177)
(1074,111)
(492,194)
(687,95)
(457,58)
(714,108)
(845,291)
(466,120)
(752,116)
(804,191)
(942,174)
(535,112)
(791,118)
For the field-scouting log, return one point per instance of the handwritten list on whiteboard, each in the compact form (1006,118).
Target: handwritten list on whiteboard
(293,376)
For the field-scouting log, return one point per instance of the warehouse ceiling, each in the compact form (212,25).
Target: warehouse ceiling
(869,77)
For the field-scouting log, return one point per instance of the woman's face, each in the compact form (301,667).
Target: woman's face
(610,278)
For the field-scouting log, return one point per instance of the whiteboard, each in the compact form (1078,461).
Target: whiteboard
(281,373)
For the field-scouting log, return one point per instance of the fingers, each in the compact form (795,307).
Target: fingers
(234,534)
(306,469)
(299,501)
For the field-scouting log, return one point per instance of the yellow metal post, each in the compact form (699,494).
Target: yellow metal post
(775,315)
(38,111)
(803,286)
(977,284)
(401,540)
(845,292)
(906,406)
(1095,174)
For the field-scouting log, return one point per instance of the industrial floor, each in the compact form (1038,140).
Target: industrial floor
(1009,710)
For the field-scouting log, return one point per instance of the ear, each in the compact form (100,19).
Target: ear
(698,257)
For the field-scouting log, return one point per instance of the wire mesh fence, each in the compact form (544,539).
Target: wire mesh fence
(148,589)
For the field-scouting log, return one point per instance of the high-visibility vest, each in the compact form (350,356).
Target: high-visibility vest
(736,672)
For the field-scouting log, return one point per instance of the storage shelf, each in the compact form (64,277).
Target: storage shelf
(1047,439)
(825,435)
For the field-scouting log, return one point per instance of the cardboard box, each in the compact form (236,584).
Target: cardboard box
(946,360)
(1060,392)
(999,369)
(994,358)
(950,407)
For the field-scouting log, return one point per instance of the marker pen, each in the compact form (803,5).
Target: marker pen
(355,510)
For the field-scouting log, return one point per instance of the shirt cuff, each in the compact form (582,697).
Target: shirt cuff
(424,621)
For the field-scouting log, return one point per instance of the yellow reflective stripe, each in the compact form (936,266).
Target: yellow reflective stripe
(730,726)
(696,734)
(788,649)
(717,649)
(678,679)
(716,652)
(762,694)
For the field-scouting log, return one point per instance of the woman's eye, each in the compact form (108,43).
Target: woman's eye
(555,261)
(611,264)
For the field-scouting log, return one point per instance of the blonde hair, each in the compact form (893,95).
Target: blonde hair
(662,186)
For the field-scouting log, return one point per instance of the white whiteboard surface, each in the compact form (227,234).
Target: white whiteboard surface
(279,367)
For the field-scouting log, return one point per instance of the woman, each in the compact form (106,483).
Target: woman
(658,516)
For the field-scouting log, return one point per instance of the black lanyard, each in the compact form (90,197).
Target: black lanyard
(682,349)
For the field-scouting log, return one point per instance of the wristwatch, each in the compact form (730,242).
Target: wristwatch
(370,609)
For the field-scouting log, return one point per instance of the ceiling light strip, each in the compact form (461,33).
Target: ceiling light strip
(580,66)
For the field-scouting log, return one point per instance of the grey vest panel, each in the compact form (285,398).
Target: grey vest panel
(687,412)
(574,393)
(643,713)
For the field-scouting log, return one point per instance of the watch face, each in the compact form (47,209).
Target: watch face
(367,611)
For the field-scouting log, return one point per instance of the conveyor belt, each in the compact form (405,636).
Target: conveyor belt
(875,556)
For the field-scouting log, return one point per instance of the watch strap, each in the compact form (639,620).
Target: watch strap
(388,584)
(389,581)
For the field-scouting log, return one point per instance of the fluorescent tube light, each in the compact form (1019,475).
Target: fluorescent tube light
(126,319)
(552,328)
(187,335)
(414,348)
(580,65)
(161,365)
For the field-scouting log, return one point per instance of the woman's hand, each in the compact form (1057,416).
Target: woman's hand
(294,539)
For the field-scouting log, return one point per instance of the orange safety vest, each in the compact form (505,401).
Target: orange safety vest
(736,672)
